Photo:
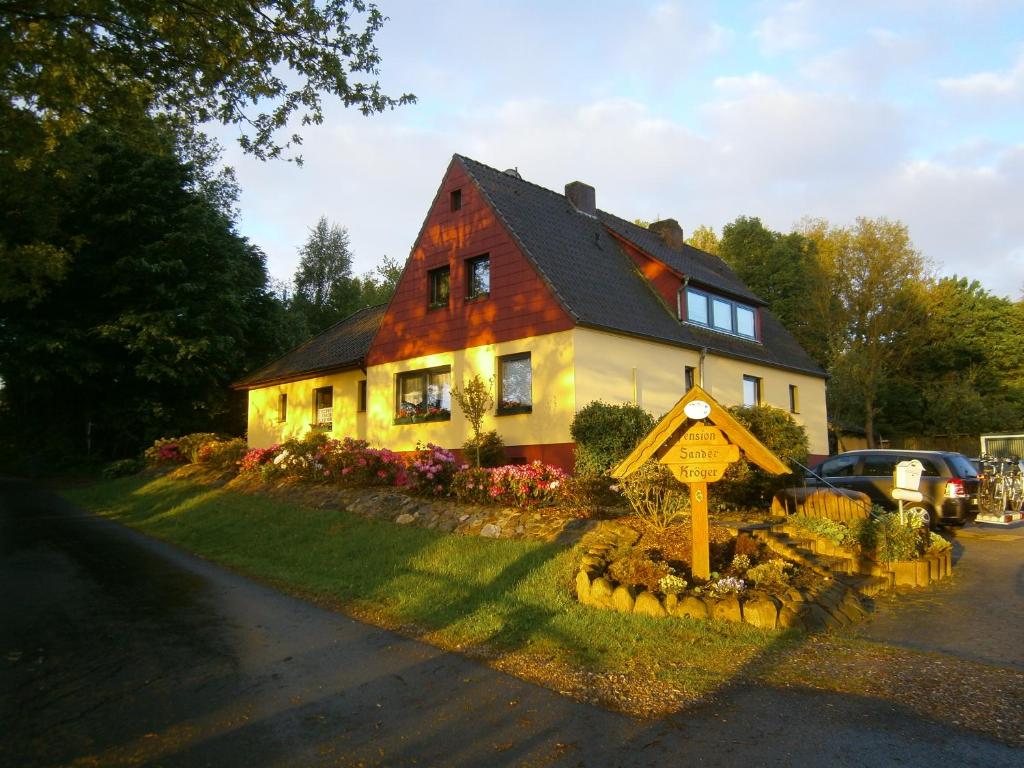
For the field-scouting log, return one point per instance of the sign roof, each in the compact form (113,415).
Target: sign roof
(668,431)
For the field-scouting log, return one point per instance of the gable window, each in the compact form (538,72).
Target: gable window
(478,273)
(282,408)
(439,281)
(456,199)
(720,313)
(515,384)
(323,407)
(424,395)
(361,397)
(751,390)
(689,377)
(794,399)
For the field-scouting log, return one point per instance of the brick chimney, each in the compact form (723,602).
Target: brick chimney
(582,196)
(670,232)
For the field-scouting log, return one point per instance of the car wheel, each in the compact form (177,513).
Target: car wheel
(924,513)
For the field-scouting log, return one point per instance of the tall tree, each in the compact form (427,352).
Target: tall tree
(161,305)
(781,269)
(875,277)
(323,279)
(967,374)
(258,65)
(705,238)
(376,287)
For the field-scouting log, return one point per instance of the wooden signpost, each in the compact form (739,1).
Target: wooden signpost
(698,440)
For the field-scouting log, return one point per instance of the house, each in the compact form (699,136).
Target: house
(557,301)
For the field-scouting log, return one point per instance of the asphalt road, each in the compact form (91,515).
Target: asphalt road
(118,650)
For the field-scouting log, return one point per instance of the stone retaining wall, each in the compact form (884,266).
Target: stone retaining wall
(932,566)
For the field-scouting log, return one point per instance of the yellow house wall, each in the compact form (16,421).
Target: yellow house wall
(265,429)
(551,358)
(613,367)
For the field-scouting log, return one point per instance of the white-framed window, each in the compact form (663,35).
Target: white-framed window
(515,384)
(751,390)
(323,408)
(720,313)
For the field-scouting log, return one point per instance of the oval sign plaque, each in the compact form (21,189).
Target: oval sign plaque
(696,410)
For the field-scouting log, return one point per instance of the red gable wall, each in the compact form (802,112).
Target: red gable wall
(520,304)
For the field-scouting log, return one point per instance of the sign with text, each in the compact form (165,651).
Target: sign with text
(702,455)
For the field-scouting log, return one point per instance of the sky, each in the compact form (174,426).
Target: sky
(698,111)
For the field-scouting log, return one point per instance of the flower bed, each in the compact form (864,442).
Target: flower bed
(349,463)
(764,604)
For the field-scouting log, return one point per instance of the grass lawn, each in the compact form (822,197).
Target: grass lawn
(508,601)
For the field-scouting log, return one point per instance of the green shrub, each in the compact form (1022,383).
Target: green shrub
(836,532)
(655,496)
(898,539)
(190,445)
(773,574)
(637,568)
(605,434)
(122,468)
(223,454)
(165,450)
(491,450)
(744,485)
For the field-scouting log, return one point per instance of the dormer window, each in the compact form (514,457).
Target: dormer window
(720,313)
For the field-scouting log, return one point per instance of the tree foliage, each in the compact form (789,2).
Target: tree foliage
(706,239)
(255,64)
(159,304)
(324,288)
(781,269)
(323,275)
(873,279)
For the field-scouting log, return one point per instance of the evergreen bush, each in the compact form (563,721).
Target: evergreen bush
(605,434)
(485,450)
(744,485)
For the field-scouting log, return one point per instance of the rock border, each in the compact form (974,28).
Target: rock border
(838,602)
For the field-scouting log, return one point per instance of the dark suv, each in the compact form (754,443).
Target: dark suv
(949,482)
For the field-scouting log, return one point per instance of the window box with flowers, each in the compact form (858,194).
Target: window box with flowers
(422,396)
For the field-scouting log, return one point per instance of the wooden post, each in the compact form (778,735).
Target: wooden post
(701,560)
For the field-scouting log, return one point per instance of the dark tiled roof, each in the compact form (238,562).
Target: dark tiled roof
(702,268)
(343,345)
(600,286)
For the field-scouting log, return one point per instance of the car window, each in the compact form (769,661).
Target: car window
(931,469)
(840,466)
(879,465)
(962,467)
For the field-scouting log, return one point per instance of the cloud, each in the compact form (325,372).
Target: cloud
(790,28)
(759,147)
(1007,86)
(864,66)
